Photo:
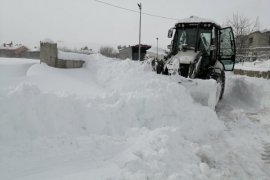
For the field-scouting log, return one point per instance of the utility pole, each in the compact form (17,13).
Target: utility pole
(140,7)
(157,48)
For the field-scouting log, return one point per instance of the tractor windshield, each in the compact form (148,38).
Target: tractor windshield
(192,38)
(187,37)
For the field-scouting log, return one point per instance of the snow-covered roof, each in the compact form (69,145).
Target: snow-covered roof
(34,49)
(153,49)
(144,46)
(12,47)
(47,40)
(261,31)
(195,19)
(264,30)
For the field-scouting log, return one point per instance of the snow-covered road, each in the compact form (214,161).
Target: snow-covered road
(245,111)
(116,119)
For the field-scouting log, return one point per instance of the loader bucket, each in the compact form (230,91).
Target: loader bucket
(204,92)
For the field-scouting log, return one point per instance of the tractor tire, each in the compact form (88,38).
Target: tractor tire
(159,67)
(165,72)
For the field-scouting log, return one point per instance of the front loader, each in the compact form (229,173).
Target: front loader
(200,49)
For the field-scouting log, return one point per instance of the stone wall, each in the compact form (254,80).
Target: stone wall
(125,53)
(258,74)
(48,53)
(69,63)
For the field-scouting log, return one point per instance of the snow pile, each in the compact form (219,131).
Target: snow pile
(254,66)
(14,67)
(114,119)
(152,52)
(262,31)
(135,125)
(245,111)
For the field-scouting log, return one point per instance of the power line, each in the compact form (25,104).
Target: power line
(109,4)
(131,10)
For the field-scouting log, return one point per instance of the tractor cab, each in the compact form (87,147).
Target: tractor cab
(200,48)
(203,40)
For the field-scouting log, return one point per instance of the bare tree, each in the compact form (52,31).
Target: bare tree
(108,51)
(242,26)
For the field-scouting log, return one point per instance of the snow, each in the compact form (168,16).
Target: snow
(254,66)
(95,47)
(16,46)
(262,31)
(14,67)
(152,52)
(47,40)
(34,49)
(71,56)
(195,19)
(115,119)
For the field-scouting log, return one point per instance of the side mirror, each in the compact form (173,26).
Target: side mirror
(170,33)
(169,47)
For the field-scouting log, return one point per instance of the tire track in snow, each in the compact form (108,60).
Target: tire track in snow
(265,156)
(245,114)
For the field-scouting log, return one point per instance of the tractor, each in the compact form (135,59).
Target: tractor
(200,49)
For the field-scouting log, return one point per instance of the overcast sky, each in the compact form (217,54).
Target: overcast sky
(87,21)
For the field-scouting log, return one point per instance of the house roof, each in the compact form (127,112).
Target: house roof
(144,46)
(13,47)
(265,30)
(261,31)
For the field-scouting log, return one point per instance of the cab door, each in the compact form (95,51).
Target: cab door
(227,49)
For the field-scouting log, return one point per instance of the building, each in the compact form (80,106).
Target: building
(17,51)
(259,39)
(256,45)
(10,50)
(132,52)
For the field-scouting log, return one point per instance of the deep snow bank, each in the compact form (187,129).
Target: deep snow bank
(13,67)
(119,121)
(132,97)
(247,93)
(245,110)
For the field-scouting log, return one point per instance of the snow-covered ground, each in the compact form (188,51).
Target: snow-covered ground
(152,52)
(115,119)
(254,66)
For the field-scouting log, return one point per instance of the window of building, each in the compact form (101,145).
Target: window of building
(250,40)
